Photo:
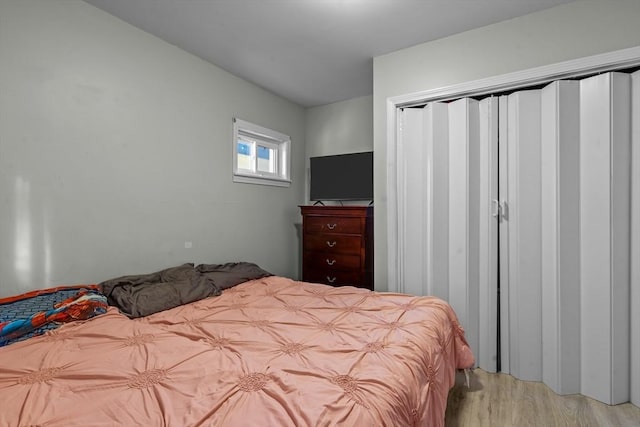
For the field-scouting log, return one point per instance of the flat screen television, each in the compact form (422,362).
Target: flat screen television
(342,177)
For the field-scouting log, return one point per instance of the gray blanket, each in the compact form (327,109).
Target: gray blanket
(144,294)
(231,273)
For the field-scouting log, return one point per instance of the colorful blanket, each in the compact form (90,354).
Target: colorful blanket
(20,317)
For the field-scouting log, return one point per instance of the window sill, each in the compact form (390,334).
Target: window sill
(260,180)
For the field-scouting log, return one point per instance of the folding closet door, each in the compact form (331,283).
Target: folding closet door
(605,189)
(423,193)
(560,233)
(412,196)
(473,151)
(464,187)
(567,224)
(472,225)
(565,236)
(523,219)
(436,120)
(447,244)
(503,233)
(488,216)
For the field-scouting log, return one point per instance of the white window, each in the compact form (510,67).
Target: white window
(260,155)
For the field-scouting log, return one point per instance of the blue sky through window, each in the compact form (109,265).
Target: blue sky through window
(263,152)
(244,149)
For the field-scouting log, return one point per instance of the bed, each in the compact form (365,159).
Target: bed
(266,352)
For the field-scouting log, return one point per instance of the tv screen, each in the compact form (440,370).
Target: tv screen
(342,177)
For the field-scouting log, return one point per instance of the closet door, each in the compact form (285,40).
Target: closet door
(412,198)
(473,175)
(524,222)
(605,187)
(568,229)
(464,186)
(488,216)
(560,197)
(423,199)
(447,239)
(565,236)
(436,263)
(503,233)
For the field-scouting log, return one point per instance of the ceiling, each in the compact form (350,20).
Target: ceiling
(312,52)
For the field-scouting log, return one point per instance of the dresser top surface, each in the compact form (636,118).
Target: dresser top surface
(337,210)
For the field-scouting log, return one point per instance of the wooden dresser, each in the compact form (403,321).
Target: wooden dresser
(338,245)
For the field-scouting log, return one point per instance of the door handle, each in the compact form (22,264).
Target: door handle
(504,210)
(500,209)
(495,211)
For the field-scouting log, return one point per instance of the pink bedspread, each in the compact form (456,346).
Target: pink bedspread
(270,352)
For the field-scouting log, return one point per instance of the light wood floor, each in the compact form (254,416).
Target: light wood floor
(498,400)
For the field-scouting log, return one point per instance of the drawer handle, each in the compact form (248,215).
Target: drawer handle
(333,261)
(331,226)
(331,279)
(331,244)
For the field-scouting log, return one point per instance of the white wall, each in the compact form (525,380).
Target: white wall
(338,128)
(115,149)
(570,31)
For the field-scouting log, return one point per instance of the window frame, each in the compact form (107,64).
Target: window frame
(279,143)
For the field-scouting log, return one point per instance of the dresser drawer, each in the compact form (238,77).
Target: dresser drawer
(339,244)
(331,262)
(334,278)
(328,224)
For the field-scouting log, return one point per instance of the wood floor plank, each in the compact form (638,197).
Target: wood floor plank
(497,400)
